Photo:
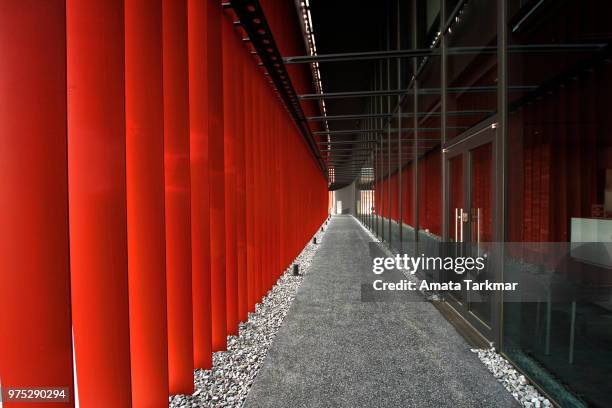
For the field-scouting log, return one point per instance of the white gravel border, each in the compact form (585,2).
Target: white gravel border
(514,382)
(234,370)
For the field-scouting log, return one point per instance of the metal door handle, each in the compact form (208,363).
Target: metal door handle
(463,219)
(456,224)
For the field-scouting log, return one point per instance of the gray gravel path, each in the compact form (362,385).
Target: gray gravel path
(229,381)
(335,350)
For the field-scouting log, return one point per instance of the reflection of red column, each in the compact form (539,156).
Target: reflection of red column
(200,196)
(144,117)
(97,200)
(178,217)
(35,332)
(214,78)
(231,113)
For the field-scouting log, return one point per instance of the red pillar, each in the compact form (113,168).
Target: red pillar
(274,214)
(266,190)
(214,108)
(144,114)
(230,99)
(97,201)
(200,197)
(250,188)
(241,267)
(269,175)
(258,196)
(262,143)
(35,325)
(178,196)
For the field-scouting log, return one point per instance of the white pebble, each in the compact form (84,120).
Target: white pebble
(234,370)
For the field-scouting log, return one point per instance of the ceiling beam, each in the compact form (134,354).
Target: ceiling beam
(403,115)
(360,56)
(424,52)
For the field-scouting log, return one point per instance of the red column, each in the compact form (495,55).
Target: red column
(97,200)
(250,122)
(282,216)
(258,200)
(200,197)
(214,108)
(276,200)
(144,115)
(230,109)
(269,178)
(178,196)
(35,326)
(263,196)
(241,267)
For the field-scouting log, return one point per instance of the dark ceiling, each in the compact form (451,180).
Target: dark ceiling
(342,26)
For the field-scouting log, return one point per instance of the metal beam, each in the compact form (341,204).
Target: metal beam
(392,130)
(422,91)
(350,94)
(402,115)
(322,145)
(345,117)
(360,56)
(434,52)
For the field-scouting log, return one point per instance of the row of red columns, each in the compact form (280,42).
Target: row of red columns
(153,189)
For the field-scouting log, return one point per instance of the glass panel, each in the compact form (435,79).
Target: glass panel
(430,186)
(450,6)
(429,22)
(456,208)
(560,195)
(408,156)
(430,205)
(482,195)
(394,183)
(396,173)
(471,74)
(481,224)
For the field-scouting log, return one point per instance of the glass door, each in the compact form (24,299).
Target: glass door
(470,203)
(456,213)
(480,220)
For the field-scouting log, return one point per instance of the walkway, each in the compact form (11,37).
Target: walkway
(336,349)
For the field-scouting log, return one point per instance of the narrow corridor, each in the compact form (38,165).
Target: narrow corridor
(336,350)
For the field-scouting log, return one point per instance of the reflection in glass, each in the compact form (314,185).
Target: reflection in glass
(559,184)
(455,216)
(471,74)
(481,224)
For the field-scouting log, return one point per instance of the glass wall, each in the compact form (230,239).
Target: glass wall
(428,127)
(553,172)
(559,150)
(471,71)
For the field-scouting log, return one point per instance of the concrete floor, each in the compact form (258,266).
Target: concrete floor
(341,347)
